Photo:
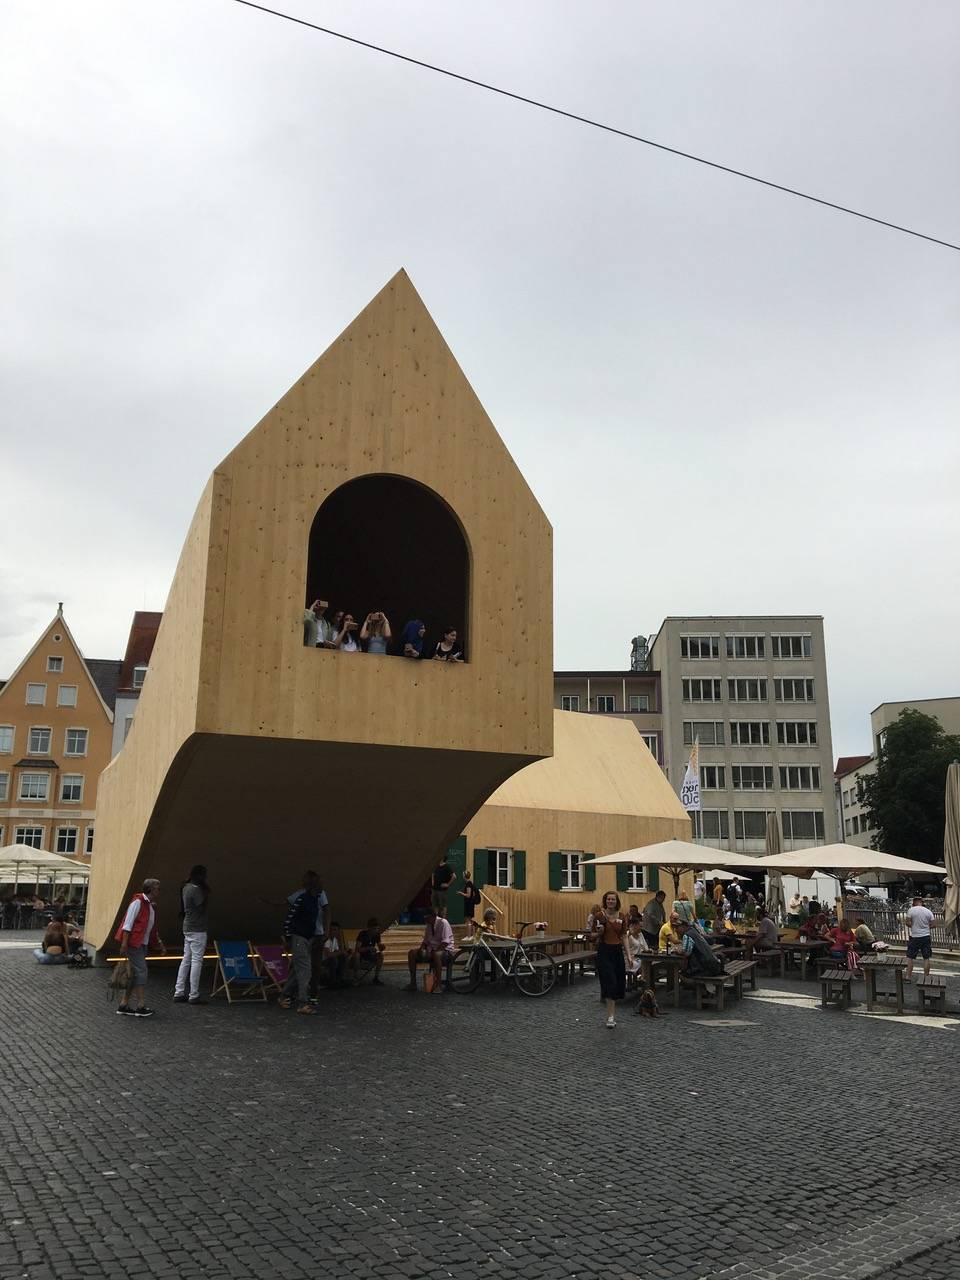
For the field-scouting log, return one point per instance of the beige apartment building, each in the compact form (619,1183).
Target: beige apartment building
(56,729)
(753,691)
(625,695)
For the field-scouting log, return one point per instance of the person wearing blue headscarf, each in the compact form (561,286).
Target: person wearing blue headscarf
(411,639)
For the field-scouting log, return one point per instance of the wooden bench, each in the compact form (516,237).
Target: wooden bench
(570,959)
(742,971)
(835,985)
(775,961)
(710,988)
(931,994)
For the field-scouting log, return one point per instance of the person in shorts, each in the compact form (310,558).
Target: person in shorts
(919,918)
(138,932)
(440,883)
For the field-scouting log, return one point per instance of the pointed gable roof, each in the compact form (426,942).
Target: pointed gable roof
(59,625)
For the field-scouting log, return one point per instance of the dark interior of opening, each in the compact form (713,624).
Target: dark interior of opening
(386,543)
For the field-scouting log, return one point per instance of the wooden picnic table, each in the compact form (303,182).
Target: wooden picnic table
(668,961)
(806,950)
(871,965)
(530,940)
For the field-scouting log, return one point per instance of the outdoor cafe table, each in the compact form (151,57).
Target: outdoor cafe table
(871,966)
(807,951)
(673,965)
(557,941)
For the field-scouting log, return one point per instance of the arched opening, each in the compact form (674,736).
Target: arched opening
(385,543)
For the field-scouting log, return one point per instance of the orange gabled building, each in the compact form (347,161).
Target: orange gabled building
(56,729)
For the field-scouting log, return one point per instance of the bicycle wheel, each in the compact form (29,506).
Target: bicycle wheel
(536,976)
(466,969)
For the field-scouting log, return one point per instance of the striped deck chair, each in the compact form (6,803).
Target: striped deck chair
(273,964)
(236,976)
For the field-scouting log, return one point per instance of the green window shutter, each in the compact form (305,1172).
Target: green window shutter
(481,864)
(590,879)
(623,877)
(653,878)
(519,869)
(555,870)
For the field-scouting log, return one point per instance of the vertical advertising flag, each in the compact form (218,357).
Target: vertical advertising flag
(690,788)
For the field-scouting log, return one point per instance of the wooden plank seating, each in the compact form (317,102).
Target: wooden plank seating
(742,971)
(931,994)
(569,960)
(774,962)
(836,986)
(710,989)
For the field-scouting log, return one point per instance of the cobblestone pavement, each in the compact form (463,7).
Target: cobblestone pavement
(480,1136)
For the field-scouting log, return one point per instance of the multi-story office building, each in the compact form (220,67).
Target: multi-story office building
(628,695)
(753,692)
(851,770)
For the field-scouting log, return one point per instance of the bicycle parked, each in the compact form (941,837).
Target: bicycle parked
(533,972)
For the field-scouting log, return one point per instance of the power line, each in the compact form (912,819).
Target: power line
(596,124)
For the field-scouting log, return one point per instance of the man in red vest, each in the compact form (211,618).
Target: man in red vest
(138,931)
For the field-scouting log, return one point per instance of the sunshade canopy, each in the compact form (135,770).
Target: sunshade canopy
(15,858)
(681,854)
(845,858)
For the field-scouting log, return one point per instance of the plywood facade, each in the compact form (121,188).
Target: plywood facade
(260,757)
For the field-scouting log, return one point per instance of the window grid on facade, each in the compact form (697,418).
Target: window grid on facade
(606,702)
(802,824)
(752,777)
(570,869)
(749,733)
(34,786)
(71,787)
(785,690)
(637,702)
(66,695)
(36,695)
(750,647)
(799,777)
(502,868)
(710,824)
(747,690)
(75,742)
(699,647)
(797,733)
(653,746)
(568,702)
(636,877)
(712,777)
(4,786)
(6,739)
(88,842)
(39,742)
(750,824)
(710,732)
(66,840)
(54,664)
(139,675)
(31,836)
(694,690)
(788,646)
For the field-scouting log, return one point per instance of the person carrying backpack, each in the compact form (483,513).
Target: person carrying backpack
(701,961)
(471,900)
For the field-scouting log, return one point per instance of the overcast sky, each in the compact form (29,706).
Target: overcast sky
(726,400)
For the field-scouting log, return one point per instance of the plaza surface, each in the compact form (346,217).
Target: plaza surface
(471,1136)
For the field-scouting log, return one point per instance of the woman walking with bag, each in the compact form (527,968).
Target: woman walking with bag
(611,931)
(194,893)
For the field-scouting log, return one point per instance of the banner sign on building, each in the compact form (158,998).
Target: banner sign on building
(690,788)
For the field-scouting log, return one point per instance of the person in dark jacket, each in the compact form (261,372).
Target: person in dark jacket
(299,929)
(652,919)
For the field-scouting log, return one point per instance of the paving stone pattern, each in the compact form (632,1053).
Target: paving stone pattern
(480,1136)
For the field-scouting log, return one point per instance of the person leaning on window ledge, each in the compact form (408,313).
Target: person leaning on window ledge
(447,649)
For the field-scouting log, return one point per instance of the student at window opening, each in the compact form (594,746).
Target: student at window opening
(447,649)
(347,640)
(376,632)
(411,639)
(317,631)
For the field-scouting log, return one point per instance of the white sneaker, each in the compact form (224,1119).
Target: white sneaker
(611,1022)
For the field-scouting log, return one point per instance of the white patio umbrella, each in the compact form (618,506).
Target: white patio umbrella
(717,874)
(675,857)
(843,860)
(17,858)
(951,846)
(774,845)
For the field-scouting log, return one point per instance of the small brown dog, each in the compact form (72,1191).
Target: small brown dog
(647,1006)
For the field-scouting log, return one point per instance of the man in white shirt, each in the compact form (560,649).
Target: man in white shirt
(436,947)
(919,919)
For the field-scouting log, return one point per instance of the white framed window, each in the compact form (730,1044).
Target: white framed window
(139,675)
(75,742)
(570,871)
(745,647)
(652,745)
(797,733)
(502,867)
(34,786)
(54,664)
(712,777)
(699,647)
(793,690)
(803,824)
(32,836)
(66,840)
(849,826)
(747,690)
(39,741)
(636,877)
(750,733)
(750,824)
(7,737)
(700,690)
(569,702)
(36,695)
(637,702)
(710,824)
(4,786)
(127,726)
(752,777)
(88,842)
(799,777)
(606,702)
(789,646)
(66,695)
(71,787)
(710,732)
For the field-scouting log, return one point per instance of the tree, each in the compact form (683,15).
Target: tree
(905,796)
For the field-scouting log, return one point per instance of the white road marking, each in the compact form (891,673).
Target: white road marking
(796,1001)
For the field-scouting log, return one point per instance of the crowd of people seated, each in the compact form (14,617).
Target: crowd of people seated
(374,635)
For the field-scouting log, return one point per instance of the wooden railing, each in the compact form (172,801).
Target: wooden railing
(562,911)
